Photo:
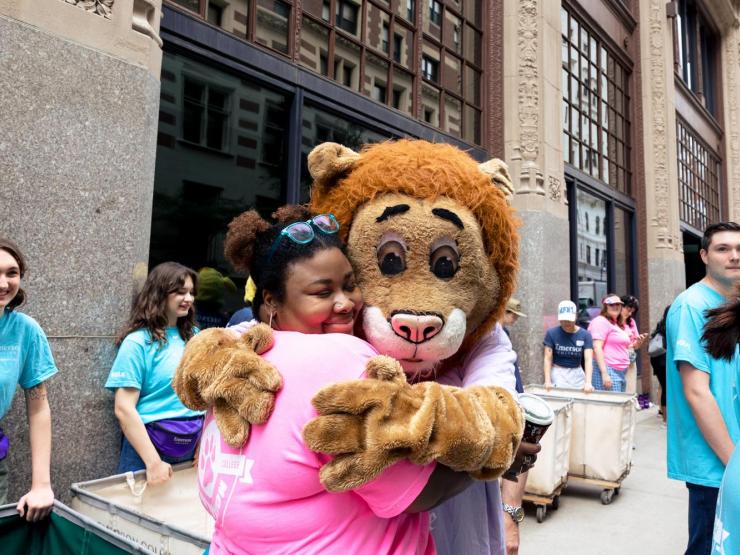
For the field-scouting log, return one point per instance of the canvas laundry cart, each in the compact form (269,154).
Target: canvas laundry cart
(164,519)
(65,532)
(602,436)
(549,476)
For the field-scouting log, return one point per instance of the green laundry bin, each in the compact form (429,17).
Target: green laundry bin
(65,532)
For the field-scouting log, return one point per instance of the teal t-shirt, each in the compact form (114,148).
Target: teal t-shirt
(148,366)
(726,538)
(25,356)
(690,458)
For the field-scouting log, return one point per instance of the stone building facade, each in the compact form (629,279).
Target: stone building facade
(132,132)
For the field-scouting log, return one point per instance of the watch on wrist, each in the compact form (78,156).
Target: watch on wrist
(516,513)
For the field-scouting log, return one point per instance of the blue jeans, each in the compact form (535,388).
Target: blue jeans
(130,460)
(702,506)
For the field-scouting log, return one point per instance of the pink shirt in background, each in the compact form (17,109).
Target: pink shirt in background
(266,496)
(616,342)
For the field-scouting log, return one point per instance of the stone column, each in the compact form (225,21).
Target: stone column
(532,139)
(79,90)
(666,273)
(731,97)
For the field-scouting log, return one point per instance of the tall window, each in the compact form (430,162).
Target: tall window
(698,178)
(596,106)
(697,46)
(205,114)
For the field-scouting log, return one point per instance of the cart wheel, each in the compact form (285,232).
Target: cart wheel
(541,512)
(556,503)
(606,496)
(617,490)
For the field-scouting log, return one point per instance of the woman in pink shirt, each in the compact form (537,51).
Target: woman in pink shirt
(266,496)
(611,345)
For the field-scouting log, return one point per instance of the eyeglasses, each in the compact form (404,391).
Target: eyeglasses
(302,233)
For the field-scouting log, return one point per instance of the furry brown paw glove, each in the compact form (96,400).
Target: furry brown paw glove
(223,371)
(370,424)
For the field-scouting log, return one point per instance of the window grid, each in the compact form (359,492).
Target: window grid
(368,60)
(698,178)
(596,106)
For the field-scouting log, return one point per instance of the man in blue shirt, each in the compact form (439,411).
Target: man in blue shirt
(703,424)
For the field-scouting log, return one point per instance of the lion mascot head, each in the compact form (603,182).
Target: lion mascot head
(432,239)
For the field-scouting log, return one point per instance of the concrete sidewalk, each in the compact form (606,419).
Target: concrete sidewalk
(648,516)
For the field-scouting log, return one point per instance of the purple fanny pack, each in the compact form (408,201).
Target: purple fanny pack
(176,437)
(4,445)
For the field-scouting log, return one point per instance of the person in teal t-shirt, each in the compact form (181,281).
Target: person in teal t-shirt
(158,430)
(700,386)
(25,360)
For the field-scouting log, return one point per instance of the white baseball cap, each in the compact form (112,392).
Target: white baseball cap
(567,311)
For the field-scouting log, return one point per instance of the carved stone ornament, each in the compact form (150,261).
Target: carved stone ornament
(659,123)
(98,7)
(528,88)
(733,117)
(555,189)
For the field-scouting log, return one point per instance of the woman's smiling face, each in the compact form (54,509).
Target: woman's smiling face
(320,295)
(10,278)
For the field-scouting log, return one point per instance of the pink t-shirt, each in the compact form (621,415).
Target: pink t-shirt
(616,342)
(266,496)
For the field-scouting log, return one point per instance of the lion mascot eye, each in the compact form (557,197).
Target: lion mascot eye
(391,258)
(444,262)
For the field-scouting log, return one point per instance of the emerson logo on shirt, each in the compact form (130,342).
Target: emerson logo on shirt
(9,353)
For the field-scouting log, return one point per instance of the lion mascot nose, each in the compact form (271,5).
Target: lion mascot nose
(416,328)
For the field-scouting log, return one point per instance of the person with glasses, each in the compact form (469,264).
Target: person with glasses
(306,292)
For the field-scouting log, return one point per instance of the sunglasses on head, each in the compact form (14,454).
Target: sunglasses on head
(303,233)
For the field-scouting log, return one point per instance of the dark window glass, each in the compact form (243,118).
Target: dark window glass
(699,171)
(435,12)
(430,69)
(697,47)
(198,191)
(346,16)
(215,12)
(320,126)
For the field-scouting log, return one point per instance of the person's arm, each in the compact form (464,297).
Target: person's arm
(547,363)
(512,494)
(588,368)
(599,355)
(157,471)
(706,411)
(37,503)
(443,484)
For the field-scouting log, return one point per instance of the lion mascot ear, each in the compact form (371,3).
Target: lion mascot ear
(498,172)
(328,162)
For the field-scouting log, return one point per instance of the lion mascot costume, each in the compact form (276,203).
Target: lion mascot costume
(434,246)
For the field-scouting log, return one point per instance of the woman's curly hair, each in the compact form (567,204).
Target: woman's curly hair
(249,248)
